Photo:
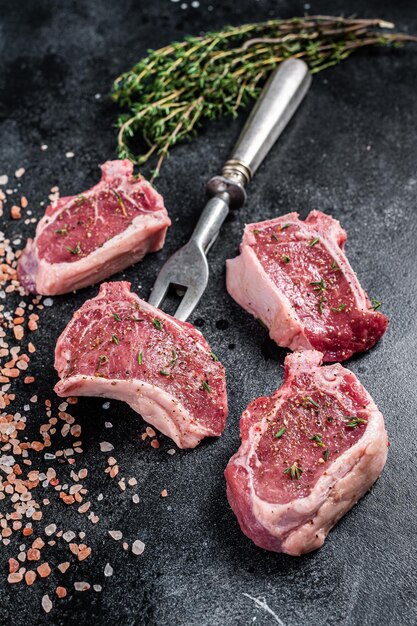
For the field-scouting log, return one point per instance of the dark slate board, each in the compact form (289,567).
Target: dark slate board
(351,151)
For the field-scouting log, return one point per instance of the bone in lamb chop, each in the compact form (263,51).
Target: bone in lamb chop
(309,452)
(83,239)
(294,276)
(119,346)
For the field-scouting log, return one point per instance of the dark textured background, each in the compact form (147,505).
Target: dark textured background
(351,151)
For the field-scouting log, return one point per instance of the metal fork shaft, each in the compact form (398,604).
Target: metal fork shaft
(210,222)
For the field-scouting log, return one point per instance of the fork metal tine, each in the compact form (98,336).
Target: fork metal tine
(187,268)
(159,290)
(189,301)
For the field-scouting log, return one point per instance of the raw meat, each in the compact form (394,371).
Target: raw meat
(308,453)
(295,278)
(118,346)
(86,238)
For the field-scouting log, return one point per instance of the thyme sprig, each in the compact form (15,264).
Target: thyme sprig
(171,91)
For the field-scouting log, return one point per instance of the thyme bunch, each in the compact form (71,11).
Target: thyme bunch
(171,91)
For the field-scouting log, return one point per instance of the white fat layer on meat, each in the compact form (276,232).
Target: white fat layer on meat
(156,406)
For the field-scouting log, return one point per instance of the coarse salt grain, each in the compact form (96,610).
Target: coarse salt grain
(138,547)
(19,173)
(97,588)
(69,155)
(46,603)
(135,498)
(61,592)
(50,530)
(108,570)
(81,586)
(105,446)
(116,534)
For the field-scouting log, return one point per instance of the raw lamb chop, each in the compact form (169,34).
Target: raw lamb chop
(308,453)
(86,238)
(118,346)
(295,278)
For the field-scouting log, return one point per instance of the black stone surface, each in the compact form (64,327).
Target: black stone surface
(351,151)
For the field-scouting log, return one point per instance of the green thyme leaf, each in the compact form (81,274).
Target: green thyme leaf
(281,431)
(318,439)
(309,400)
(294,471)
(319,285)
(376,304)
(75,251)
(63,230)
(353,422)
(157,323)
(339,309)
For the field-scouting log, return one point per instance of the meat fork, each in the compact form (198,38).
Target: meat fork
(187,269)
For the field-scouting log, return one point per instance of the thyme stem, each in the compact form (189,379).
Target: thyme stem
(173,90)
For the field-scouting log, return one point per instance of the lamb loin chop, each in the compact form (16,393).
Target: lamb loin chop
(294,277)
(118,346)
(86,238)
(308,453)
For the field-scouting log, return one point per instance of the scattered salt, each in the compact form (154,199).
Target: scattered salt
(69,155)
(4,179)
(135,498)
(97,588)
(81,586)
(68,536)
(105,446)
(19,173)
(44,146)
(106,405)
(108,424)
(48,302)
